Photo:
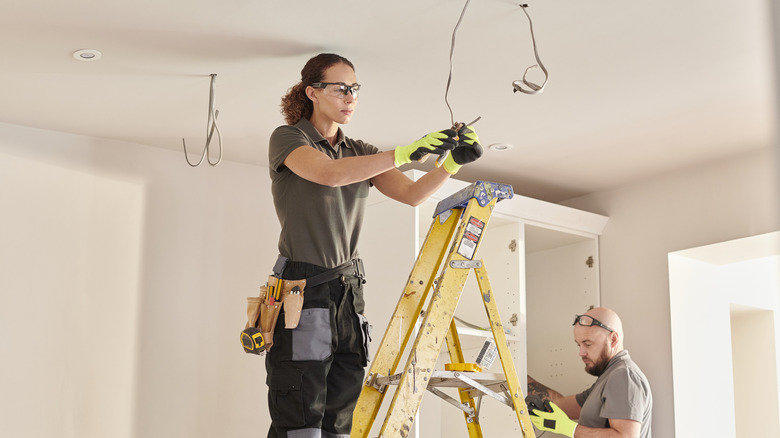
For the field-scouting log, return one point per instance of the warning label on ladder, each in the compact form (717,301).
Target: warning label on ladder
(471,236)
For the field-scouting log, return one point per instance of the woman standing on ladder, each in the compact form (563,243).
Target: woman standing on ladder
(320,182)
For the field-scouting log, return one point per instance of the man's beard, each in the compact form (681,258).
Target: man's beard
(599,365)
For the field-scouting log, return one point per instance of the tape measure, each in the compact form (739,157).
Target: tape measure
(252,341)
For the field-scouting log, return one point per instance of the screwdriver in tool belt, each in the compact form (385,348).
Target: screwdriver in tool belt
(275,291)
(278,291)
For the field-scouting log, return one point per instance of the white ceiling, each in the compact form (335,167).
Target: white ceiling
(635,88)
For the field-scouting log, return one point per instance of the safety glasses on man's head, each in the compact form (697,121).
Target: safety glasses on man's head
(587,321)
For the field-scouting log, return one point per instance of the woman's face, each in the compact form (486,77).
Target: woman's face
(329,101)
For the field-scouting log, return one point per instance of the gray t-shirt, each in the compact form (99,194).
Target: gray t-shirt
(320,224)
(621,392)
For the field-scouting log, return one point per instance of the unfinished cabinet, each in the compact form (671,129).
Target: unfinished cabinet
(542,261)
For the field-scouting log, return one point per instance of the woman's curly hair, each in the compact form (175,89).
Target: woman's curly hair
(295,104)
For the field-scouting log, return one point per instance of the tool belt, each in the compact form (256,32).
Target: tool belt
(353,267)
(263,310)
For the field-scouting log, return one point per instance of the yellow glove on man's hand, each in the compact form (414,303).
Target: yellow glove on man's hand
(436,143)
(556,421)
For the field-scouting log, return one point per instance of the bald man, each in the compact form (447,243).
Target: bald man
(618,404)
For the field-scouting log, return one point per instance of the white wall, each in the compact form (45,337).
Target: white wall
(720,201)
(716,354)
(70,257)
(123,287)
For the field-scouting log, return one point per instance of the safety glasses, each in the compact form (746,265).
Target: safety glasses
(338,89)
(587,321)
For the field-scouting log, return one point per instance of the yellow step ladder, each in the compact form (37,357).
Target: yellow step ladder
(465,216)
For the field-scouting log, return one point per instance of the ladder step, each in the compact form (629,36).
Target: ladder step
(450,379)
(467,367)
(477,383)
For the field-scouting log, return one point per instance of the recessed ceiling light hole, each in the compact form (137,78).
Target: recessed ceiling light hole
(87,55)
(500,147)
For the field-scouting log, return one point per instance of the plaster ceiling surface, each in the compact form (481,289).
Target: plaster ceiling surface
(635,88)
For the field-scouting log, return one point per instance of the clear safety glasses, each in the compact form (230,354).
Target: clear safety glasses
(338,89)
(588,321)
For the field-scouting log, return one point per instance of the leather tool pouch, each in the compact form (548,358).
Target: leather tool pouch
(293,303)
(263,311)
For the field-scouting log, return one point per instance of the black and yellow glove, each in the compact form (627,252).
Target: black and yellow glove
(556,421)
(434,143)
(467,151)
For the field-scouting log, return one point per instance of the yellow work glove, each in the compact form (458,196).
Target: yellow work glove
(467,150)
(434,143)
(556,421)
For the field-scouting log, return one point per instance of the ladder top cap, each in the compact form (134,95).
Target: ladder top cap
(482,191)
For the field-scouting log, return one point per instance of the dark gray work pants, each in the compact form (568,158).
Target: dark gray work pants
(315,371)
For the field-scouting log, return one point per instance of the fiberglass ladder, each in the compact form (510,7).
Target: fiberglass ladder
(464,215)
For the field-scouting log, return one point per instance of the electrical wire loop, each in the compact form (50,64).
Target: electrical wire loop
(532,88)
(211,127)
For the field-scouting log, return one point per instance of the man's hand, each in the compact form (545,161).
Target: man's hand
(436,143)
(555,421)
(467,151)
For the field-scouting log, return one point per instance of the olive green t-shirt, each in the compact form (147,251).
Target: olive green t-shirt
(320,224)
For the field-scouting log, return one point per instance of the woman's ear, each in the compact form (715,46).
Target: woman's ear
(310,93)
